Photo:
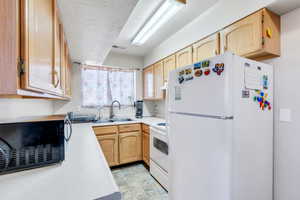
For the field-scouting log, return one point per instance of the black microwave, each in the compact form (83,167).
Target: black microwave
(32,144)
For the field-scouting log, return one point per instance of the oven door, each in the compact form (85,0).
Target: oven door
(159,149)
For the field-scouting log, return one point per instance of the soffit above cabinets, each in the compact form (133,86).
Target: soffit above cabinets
(144,10)
(92,26)
(282,7)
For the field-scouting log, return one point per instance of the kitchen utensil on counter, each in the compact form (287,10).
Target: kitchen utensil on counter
(77,117)
(139,109)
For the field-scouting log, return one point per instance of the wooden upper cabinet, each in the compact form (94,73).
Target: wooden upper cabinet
(130,147)
(68,74)
(169,65)
(9,47)
(63,60)
(31,57)
(153,81)
(184,57)
(37,45)
(256,36)
(58,68)
(158,80)
(206,48)
(148,75)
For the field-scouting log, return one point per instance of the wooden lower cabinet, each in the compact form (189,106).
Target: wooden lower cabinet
(124,143)
(130,147)
(146,148)
(146,143)
(110,147)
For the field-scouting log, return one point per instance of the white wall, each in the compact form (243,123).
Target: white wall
(206,24)
(222,14)
(13,108)
(287,81)
(123,60)
(113,59)
(287,95)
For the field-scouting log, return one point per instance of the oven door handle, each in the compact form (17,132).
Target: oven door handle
(158,131)
(70,130)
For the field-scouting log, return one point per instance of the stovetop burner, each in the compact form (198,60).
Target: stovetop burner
(162,124)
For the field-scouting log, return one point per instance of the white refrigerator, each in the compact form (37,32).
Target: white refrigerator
(221,130)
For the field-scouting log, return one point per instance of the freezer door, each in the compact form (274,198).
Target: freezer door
(200,158)
(208,93)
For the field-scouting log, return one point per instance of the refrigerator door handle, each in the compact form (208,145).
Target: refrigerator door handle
(227,117)
(204,116)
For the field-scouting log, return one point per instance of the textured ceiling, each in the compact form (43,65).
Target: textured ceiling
(284,6)
(92,26)
(143,10)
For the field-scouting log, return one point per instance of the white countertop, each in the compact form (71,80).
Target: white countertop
(84,175)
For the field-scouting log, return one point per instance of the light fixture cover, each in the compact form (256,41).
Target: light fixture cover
(167,10)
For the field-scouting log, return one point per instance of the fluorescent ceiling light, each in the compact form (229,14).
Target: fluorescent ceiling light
(167,10)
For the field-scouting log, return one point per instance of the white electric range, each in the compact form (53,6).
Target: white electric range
(159,154)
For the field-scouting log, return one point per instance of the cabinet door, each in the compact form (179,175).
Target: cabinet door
(158,80)
(206,48)
(68,75)
(146,148)
(37,49)
(169,65)
(58,68)
(109,146)
(243,37)
(148,83)
(130,147)
(63,58)
(184,57)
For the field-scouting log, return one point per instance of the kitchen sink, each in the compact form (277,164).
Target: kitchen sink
(122,120)
(113,120)
(103,121)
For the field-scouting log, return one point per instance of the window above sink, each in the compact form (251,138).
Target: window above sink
(102,85)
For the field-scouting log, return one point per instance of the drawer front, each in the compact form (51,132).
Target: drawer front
(146,128)
(129,127)
(104,130)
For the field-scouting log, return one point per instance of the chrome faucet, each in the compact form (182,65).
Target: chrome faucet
(99,113)
(111,110)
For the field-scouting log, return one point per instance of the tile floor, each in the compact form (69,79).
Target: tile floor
(136,183)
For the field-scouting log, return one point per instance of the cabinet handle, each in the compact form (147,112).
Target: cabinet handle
(56,78)
(225,48)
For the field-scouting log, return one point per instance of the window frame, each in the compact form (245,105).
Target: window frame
(110,69)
